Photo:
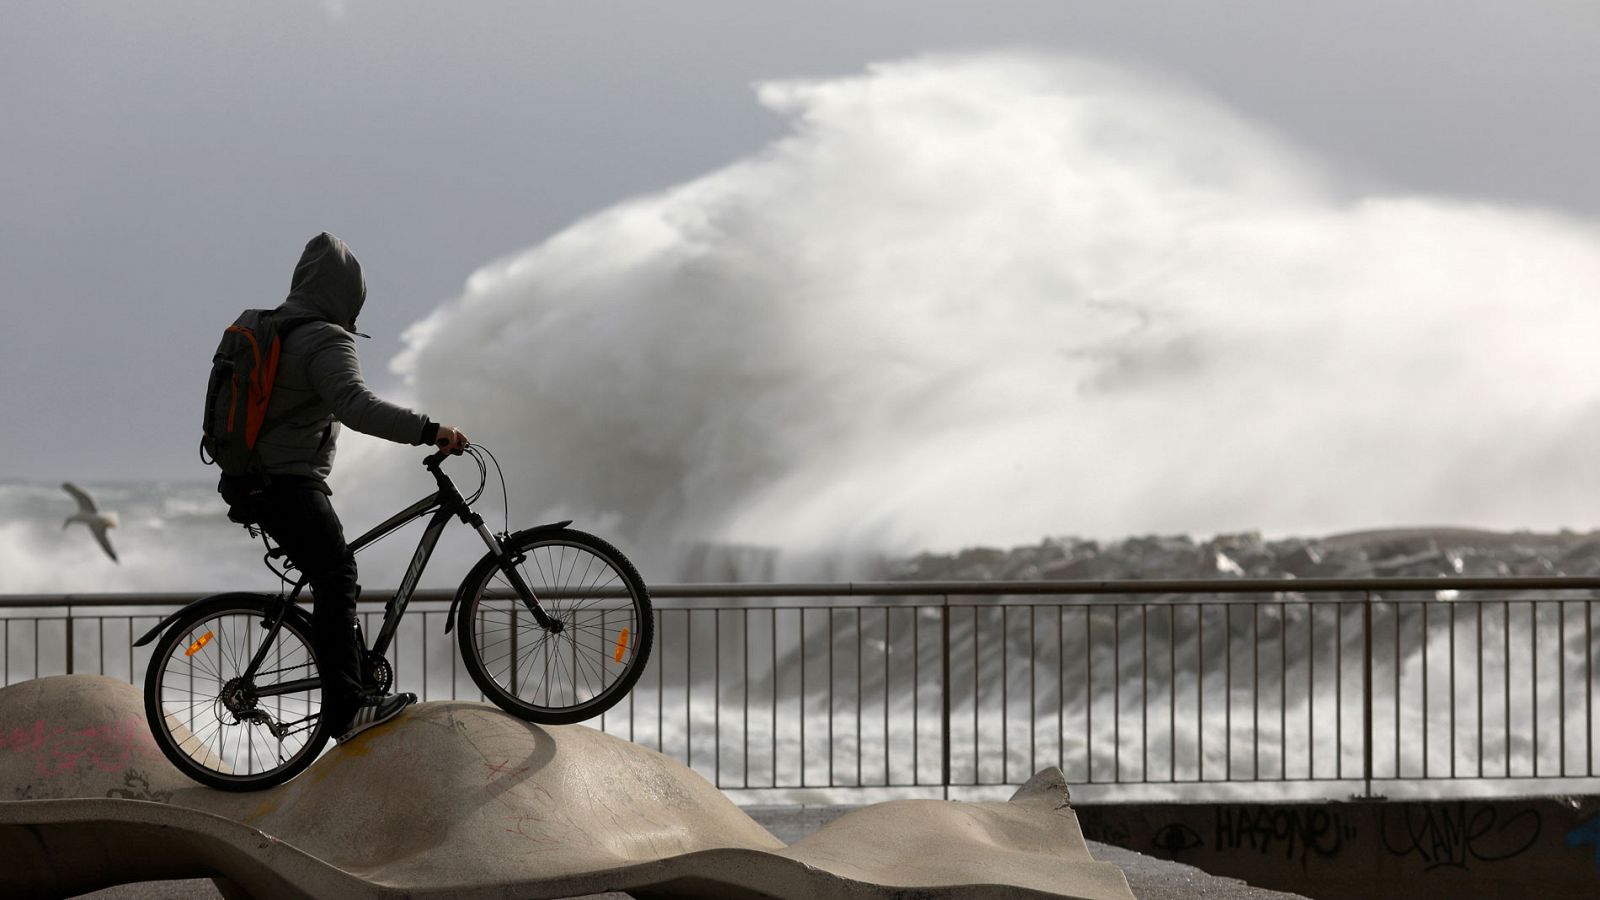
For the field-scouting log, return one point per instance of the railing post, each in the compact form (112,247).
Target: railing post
(1366,695)
(944,690)
(69,639)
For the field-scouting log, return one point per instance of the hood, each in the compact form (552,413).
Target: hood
(328,282)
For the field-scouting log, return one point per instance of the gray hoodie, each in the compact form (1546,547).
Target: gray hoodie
(319,384)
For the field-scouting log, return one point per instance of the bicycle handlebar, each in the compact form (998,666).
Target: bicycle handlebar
(440,456)
(431,463)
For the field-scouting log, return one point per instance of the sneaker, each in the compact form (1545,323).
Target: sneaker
(376,711)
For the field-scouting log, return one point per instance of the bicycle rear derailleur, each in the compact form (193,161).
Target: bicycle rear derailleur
(239,698)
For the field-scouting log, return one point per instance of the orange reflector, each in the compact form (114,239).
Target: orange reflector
(622,644)
(195,647)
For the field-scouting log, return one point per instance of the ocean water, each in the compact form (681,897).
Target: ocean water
(170,536)
(174,536)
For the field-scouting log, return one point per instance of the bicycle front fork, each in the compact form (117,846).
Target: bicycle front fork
(508,566)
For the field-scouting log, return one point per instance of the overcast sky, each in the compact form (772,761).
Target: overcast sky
(163,162)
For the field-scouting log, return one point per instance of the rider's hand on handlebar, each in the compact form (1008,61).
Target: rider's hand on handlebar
(451,440)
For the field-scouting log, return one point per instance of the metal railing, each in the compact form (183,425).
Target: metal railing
(1346,685)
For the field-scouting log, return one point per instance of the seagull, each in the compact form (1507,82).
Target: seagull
(97,521)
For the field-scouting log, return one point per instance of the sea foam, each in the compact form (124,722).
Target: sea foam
(984,298)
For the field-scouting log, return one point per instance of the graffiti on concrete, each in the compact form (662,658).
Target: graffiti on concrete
(38,792)
(136,786)
(1298,832)
(501,769)
(1587,833)
(1457,834)
(56,750)
(1175,837)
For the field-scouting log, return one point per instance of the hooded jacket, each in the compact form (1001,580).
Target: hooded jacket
(319,385)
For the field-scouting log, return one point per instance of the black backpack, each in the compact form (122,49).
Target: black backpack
(242,374)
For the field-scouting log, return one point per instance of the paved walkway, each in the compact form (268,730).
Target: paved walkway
(1150,878)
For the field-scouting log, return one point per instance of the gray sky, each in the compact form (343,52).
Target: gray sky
(162,163)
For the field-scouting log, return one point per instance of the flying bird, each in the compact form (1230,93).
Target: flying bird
(96,521)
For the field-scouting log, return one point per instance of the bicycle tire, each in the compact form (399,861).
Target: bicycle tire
(595,592)
(189,717)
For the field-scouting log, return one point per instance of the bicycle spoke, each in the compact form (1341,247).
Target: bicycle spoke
(576,671)
(211,656)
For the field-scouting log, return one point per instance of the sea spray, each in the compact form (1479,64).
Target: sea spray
(982,298)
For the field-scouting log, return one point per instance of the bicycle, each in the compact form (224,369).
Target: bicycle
(233,693)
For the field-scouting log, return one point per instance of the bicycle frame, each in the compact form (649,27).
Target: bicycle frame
(445,503)
(396,607)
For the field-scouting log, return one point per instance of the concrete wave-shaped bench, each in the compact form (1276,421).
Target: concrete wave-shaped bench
(459,799)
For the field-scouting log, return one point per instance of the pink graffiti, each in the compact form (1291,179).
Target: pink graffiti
(57,750)
(502,768)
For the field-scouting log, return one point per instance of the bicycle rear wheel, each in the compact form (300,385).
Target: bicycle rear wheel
(219,728)
(556,677)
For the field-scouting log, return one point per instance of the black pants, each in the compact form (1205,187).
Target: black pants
(299,517)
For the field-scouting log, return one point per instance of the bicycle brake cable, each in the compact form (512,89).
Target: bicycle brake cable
(505,496)
(484,476)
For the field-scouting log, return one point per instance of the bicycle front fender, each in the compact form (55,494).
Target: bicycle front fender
(161,626)
(480,569)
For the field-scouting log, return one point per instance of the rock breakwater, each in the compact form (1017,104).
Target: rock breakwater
(1408,552)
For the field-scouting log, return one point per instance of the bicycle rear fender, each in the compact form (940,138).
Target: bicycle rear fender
(161,626)
(476,573)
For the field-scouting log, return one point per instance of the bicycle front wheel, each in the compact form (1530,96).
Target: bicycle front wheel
(556,677)
(217,726)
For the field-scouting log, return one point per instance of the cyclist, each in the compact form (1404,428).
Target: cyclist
(319,387)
